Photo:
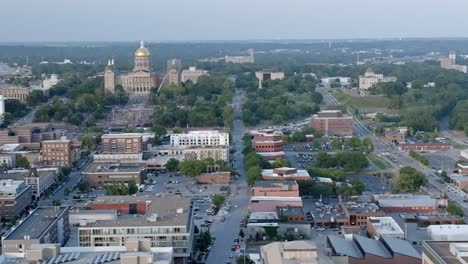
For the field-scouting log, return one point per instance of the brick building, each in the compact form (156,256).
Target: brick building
(333,123)
(61,152)
(357,213)
(268,143)
(424,147)
(29,136)
(405,203)
(220,177)
(394,136)
(100,174)
(285,173)
(122,143)
(276,189)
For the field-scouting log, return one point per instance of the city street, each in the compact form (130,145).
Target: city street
(225,232)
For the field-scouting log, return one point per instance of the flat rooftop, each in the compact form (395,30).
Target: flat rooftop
(443,249)
(161,211)
(290,173)
(386,226)
(100,167)
(404,200)
(355,207)
(36,223)
(272,184)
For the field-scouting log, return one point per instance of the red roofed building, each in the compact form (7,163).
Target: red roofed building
(268,143)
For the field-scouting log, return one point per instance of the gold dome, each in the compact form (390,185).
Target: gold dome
(142,51)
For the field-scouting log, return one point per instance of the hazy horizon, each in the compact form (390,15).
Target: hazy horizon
(242,20)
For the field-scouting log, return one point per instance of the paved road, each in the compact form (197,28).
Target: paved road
(400,159)
(225,232)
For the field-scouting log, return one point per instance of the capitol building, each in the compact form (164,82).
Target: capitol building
(139,81)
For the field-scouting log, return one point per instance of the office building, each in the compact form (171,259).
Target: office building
(405,203)
(165,221)
(358,213)
(285,173)
(384,226)
(444,252)
(61,152)
(44,225)
(268,143)
(100,174)
(39,179)
(333,123)
(267,75)
(29,136)
(300,251)
(85,216)
(15,92)
(200,138)
(15,197)
(276,189)
(122,143)
(359,249)
(192,74)
(450,63)
(370,78)
(250,58)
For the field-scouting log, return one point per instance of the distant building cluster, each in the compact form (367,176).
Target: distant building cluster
(450,63)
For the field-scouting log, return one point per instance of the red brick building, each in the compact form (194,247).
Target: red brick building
(268,143)
(214,178)
(424,147)
(276,189)
(405,203)
(123,204)
(333,123)
(394,136)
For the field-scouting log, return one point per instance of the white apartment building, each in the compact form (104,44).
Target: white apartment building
(200,138)
(192,74)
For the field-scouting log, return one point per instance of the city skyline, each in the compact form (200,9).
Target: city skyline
(207,20)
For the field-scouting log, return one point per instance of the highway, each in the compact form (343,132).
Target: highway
(400,159)
(225,232)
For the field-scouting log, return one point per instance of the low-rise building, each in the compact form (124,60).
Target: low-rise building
(300,251)
(461,181)
(343,81)
(44,225)
(62,152)
(276,189)
(165,221)
(39,179)
(15,197)
(333,123)
(271,204)
(220,177)
(100,174)
(444,252)
(15,92)
(448,232)
(394,136)
(122,143)
(405,203)
(370,78)
(194,152)
(357,213)
(241,59)
(84,216)
(285,173)
(384,226)
(119,157)
(29,136)
(463,170)
(290,213)
(192,74)
(359,249)
(423,147)
(8,160)
(427,219)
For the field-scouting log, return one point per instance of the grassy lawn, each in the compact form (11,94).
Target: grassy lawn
(365,104)
(378,162)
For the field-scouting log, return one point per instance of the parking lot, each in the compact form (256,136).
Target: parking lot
(309,146)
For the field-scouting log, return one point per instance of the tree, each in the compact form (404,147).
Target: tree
(172,164)
(83,186)
(453,209)
(410,179)
(253,174)
(132,187)
(271,232)
(218,200)
(66,170)
(66,191)
(89,142)
(241,233)
(36,97)
(192,167)
(22,162)
(56,202)
(281,162)
(196,230)
(159,130)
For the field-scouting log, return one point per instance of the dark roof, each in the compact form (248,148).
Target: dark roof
(399,246)
(344,247)
(266,184)
(372,247)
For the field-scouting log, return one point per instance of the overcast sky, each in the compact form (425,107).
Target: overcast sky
(162,20)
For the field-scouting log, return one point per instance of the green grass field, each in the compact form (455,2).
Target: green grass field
(365,104)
